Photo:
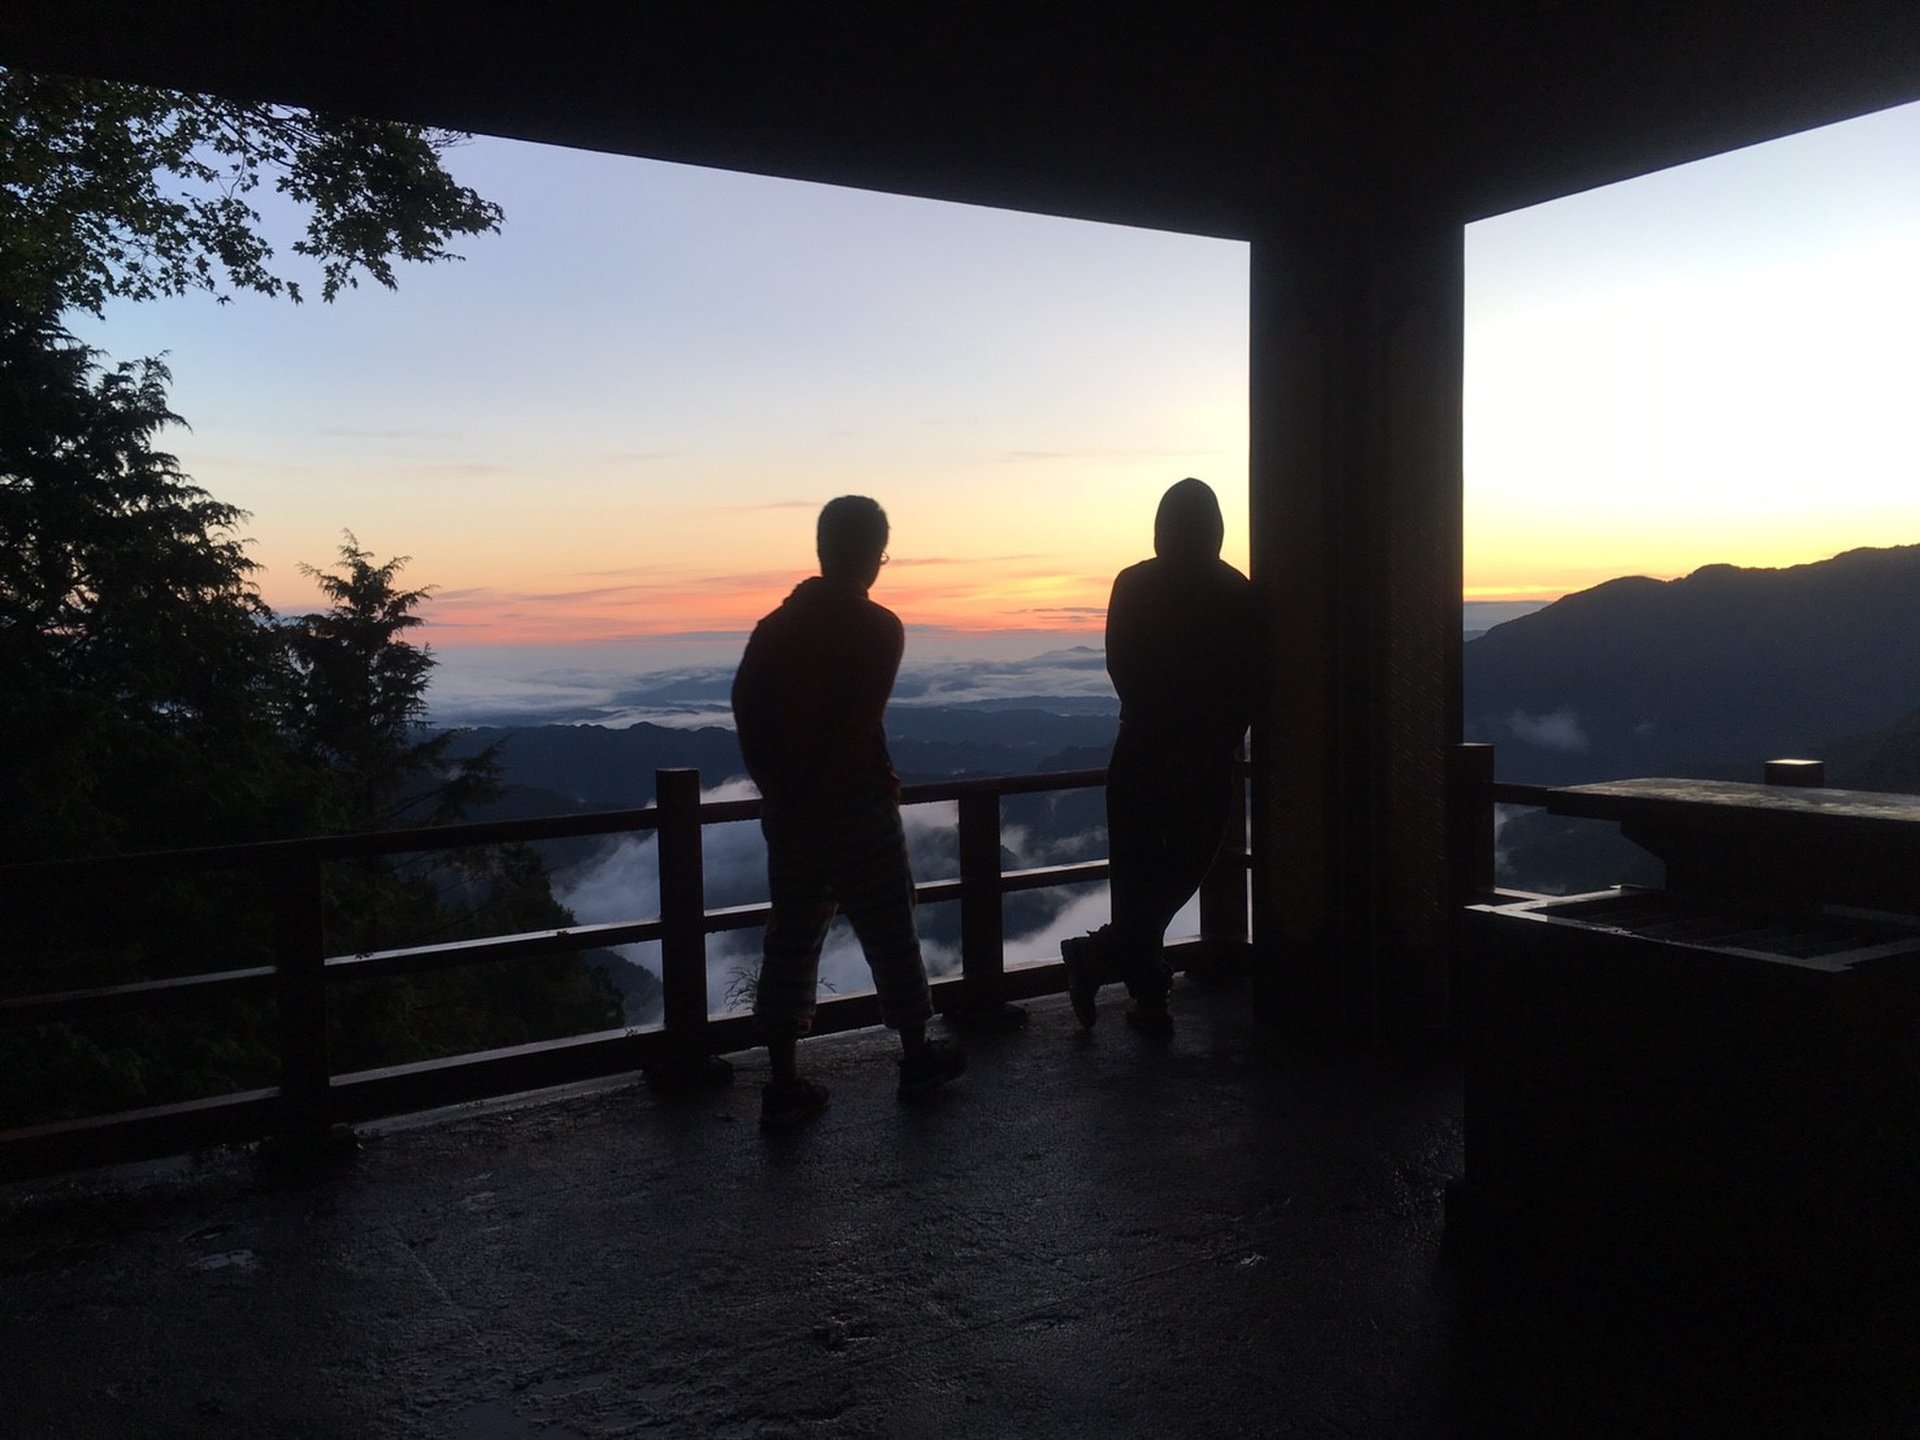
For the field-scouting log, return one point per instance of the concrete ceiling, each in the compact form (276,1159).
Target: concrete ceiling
(1180,114)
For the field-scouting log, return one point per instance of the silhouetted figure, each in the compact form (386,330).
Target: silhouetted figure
(1182,655)
(808,702)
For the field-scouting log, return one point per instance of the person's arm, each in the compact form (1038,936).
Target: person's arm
(1250,663)
(756,722)
(870,679)
(1127,662)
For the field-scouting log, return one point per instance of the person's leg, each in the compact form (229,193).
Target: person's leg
(800,911)
(1193,825)
(1136,797)
(873,881)
(1194,831)
(1167,817)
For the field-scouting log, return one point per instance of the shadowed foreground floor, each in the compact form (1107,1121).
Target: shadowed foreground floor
(1230,1234)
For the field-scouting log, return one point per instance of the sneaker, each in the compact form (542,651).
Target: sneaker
(1150,1017)
(1081,955)
(783,1106)
(927,1069)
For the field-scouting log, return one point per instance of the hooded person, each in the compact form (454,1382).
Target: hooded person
(1183,657)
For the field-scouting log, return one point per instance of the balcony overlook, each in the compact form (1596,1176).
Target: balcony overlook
(1443,1161)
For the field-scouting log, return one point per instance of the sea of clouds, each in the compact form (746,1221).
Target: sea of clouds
(621,686)
(623,884)
(682,681)
(685,684)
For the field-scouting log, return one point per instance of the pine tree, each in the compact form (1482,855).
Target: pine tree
(151,700)
(145,683)
(363,707)
(361,722)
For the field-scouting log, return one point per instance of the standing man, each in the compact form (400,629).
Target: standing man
(1182,654)
(808,703)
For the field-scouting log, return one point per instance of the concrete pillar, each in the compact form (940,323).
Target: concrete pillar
(1356,535)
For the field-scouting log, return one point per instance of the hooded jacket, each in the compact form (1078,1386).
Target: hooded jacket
(1181,631)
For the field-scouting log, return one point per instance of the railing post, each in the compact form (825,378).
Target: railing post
(1223,894)
(683,939)
(1471,808)
(1809,773)
(300,953)
(983,951)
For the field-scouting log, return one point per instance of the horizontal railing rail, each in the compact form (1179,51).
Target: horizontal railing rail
(321,849)
(1755,838)
(1507,792)
(311,1097)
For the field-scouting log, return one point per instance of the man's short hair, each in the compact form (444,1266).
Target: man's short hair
(851,535)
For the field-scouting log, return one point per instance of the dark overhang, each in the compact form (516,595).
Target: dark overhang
(1173,113)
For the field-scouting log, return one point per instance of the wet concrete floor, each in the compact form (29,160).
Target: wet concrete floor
(1234,1233)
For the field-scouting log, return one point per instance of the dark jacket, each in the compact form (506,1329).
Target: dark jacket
(810,696)
(1182,645)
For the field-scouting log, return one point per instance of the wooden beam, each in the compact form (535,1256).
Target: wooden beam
(1356,526)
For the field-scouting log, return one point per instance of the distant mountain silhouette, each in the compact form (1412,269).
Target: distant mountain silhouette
(597,768)
(566,768)
(1705,676)
(1880,762)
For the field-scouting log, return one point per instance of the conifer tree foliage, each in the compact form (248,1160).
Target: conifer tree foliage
(149,698)
(362,714)
(340,742)
(145,683)
(360,722)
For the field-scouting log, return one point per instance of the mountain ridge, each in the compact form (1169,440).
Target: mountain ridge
(1709,674)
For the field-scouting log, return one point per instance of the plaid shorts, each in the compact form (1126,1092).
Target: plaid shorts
(852,859)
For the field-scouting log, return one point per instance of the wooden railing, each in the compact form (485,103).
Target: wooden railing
(1783,840)
(310,1097)
(1471,848)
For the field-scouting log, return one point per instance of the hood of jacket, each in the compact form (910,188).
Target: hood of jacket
(1188,526)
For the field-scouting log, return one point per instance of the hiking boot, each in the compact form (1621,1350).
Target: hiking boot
(930,1067)
(1150,1017)
(794,1102)
(1082,956)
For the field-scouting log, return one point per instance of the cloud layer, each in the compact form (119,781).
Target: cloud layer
(1558,731)
(624,884)
(608,687)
